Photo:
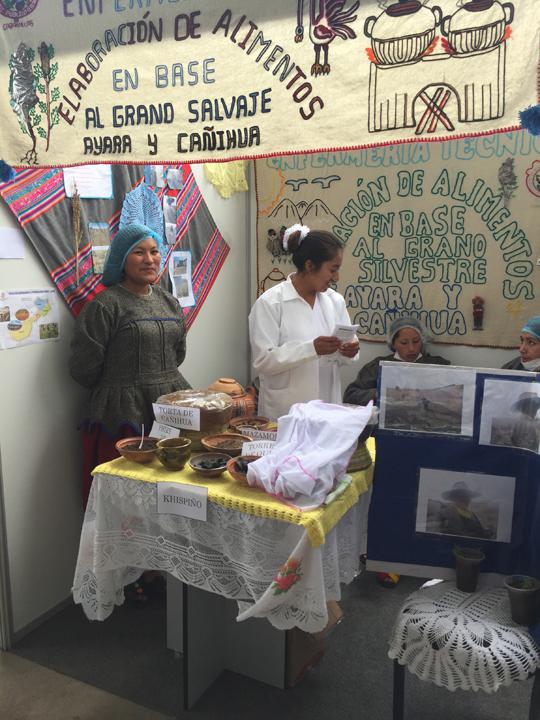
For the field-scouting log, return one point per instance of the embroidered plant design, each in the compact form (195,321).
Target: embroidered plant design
(288,575)
(32,97)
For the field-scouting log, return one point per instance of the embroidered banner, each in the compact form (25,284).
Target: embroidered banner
(445,232)
(158,80)
(38,200)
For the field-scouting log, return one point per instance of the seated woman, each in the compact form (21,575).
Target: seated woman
(529,347)
(407,339)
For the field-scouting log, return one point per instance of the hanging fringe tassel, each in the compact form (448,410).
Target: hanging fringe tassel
(7,173)
(530,119)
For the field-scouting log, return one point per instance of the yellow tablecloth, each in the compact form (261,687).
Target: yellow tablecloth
(227,492)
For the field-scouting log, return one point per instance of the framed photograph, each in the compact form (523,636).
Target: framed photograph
(463,504)
(510,414)
(427,398)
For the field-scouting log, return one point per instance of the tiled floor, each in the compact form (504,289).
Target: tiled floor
(31,692)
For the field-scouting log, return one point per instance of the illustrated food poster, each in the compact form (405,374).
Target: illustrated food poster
(144,81)
(27,317)
(445,231)
(457,464)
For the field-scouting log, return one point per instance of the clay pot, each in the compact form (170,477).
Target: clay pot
(230,443)
(239,475)
(477,26)
(468,562)
(403,32)
(173,453)
(248,421)
(129,449)
(243,403)
(523,592)
(196,463)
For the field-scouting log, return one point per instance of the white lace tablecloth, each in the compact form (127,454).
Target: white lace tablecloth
(268,566)
(462,640)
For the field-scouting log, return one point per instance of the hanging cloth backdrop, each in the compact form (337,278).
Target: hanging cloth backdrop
(153,81)
(38,200)
(447,232)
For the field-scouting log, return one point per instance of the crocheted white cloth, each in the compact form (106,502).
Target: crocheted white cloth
(462,640)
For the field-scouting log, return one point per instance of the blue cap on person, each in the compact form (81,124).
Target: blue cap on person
(122,244)
(532,326)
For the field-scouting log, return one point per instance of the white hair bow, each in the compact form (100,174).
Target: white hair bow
(302,229)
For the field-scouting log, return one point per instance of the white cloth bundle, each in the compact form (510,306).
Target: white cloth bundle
(314,444)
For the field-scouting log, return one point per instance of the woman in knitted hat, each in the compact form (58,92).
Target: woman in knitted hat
(291,326)
(529,347)
(127,346)
(407,339)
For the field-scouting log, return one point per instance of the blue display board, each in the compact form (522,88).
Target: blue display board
(418,472)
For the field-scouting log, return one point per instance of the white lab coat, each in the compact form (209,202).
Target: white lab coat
(283,354)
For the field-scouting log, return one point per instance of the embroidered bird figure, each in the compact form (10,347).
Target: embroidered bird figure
(325,182)
(327,19)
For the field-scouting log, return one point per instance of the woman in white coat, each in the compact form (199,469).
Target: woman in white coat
(291,325)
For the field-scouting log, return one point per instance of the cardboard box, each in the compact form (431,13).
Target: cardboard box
(304,650)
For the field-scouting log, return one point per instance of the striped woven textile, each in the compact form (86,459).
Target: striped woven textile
(38,201)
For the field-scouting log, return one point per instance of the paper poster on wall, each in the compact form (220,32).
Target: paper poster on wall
(91,181)
(169,208)
(180,274)
(27,317)
(11,244)
(100,240)
(427,398)
(510,414)
(468,505)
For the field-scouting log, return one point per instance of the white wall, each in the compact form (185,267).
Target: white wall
(39,448)
(41,407)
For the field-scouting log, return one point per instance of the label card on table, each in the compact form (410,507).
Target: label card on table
(188,418)
(255,434)
(186,500)
(258,447)
(164,431)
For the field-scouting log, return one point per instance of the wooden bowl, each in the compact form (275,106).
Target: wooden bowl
(196,463)
(232,467)
(230,443)
(243,421)
(129,449)
(173,453)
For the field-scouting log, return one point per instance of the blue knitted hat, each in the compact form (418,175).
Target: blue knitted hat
(405,322)
(532,326)
(123,243)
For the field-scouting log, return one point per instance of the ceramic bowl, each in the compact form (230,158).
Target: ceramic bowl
(173,453)
(129,449)
(243,421)
(230,443)
(239,475)
(197,463)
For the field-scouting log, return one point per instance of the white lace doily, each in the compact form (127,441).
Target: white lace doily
(234,554)
(462,640)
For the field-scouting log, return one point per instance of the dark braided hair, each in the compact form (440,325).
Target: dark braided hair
(319,246)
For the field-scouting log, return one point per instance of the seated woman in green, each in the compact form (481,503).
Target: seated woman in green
(407,339)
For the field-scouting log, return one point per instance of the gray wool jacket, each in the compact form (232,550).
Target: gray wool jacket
(126,350)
